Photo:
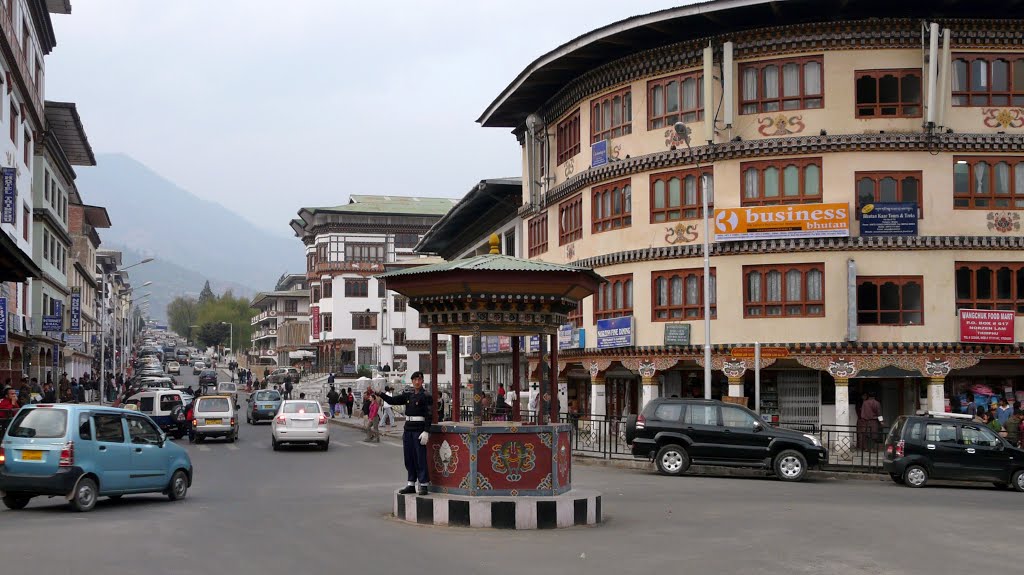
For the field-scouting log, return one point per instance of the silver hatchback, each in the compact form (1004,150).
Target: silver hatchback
(214,416)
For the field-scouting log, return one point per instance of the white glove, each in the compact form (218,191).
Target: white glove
(424,437)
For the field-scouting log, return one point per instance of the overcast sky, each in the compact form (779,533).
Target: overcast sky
(266,106)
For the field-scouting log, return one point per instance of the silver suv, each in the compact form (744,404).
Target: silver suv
(215,416)
(283,374)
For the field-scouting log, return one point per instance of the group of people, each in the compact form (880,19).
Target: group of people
(1001,417)
(376,412)
(84,389)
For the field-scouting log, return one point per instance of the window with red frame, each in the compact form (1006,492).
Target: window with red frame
(786,84)
(612,206)
(675,99)
(990,285)
(888,187)
(401,302)
(679,294)
(328,288)
(538,234)
(28,147)
(889,93)
(784,291)
(575,316)
(988,182)
(364,321)
(792,181)
(677,195)
(326,322)
(14,122)
(611,116)
(890,300)
(357,287)
(988,80)
(570,220)
(25,219)
(567,137)
(614,298)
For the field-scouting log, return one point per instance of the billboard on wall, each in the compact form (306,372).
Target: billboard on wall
(782,222)
(987,326)
(314,312)
(10,197)
(76,310)
(615,332)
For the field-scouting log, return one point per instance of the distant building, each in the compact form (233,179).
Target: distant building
(280,333)
(83,223)
(357,324)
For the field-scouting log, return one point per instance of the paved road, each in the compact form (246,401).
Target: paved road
(256,511)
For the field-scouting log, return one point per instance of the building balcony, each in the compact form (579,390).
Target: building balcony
(358,267)
(10,34)
(263,334)
(276,314)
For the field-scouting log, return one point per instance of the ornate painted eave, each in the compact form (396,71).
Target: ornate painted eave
(886,243)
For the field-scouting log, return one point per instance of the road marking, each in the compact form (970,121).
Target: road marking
(340,444)
(204,448)
(392,444)
(233,447)
(365,444)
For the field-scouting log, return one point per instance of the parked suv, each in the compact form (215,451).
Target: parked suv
(282,375)
(207,376)
(82,452)
(681,432)
(950,446)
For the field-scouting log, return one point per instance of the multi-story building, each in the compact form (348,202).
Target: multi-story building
(356,323)
(490,207)
(281,333)
(63,144)
(865,165)
(113,310)
(26,36)
(83,223)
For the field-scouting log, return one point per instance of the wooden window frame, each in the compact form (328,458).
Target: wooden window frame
(400,303)
(371,247)
(1013,303)
(878,176)
(327,289)
(28,147)
(362,321)
(601,222)
(804,303)
(782,199)
(567,138)
(968,98)
(14,122)
(970,200)
(402,240)
(425,363)
(607,291)
(570,220)
(598,131)
(399,335)
(901,282)
(327,321)
(696,211)
(355,287)
(685,312)
(575,317)
(668,119)
(538,234)
(901,106)
(765,105)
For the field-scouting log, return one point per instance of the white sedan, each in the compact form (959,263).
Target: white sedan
(300,421)
(173,367)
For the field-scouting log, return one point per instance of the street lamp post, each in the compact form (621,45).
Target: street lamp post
(231,335)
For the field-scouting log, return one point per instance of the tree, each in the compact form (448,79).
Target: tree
(213,334)
(182,313)
(206,295)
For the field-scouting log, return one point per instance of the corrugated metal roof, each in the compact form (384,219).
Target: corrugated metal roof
(489,262)
(393,205)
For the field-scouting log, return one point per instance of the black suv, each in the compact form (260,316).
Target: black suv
(208,376)
(678,432)
(948,446)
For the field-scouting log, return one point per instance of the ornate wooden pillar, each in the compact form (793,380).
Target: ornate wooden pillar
(435,393)
(456,381)
(553,403)
(598,401)
(735,370)
(937,371)
(516,383)
(477,380)
(542,391)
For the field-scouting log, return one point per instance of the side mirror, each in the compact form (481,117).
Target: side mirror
(758,427)
(163,439)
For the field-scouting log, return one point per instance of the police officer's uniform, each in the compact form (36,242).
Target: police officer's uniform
(418,410)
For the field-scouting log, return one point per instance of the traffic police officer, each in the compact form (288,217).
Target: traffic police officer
(418,408)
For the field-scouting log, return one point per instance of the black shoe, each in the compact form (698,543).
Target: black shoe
(407,490)
(422,491)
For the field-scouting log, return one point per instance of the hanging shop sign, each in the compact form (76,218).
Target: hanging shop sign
(10,198)
(599,153)
(782,222)
(571,337)
(677,334)
(987,326)
(315,314)
(766,352)
(888,219)
(3,321)
(615,332)
(76,310)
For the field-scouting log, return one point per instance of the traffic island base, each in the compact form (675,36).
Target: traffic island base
(576,507)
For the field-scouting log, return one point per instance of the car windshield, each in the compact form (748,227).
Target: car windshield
(40,423)
(208,373)
(209,404)
(267,396)
(227,386)
(301,407)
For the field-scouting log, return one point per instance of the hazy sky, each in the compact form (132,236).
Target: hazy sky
(267,106)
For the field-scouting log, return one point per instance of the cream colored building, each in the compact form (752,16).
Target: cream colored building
(816,102)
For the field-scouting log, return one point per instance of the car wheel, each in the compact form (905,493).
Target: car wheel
(915,476)
(275,445)
(178,487)
(84,498)
(790,465)
(324,446)
(896,477)
(672,459)
(199,438)
(1018,480)
(16,502)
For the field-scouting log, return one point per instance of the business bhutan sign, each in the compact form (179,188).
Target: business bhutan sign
(781,222)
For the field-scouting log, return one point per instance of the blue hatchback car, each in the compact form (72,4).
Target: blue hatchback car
(83,452)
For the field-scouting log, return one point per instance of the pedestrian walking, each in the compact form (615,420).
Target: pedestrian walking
(418,414)
(350,402)
(373,418)
(332,399)
(387,416)
(868,424)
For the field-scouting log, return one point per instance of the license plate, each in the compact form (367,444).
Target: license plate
(304,424)
(266,407)
(31,455)
(213,421)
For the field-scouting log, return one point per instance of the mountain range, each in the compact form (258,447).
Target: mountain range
(192,240)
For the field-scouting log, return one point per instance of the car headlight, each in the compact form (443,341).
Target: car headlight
(813,439)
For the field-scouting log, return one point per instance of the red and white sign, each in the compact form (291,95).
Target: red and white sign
(314,311)
(986,326)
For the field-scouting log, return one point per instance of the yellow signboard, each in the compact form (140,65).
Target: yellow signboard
(782,222)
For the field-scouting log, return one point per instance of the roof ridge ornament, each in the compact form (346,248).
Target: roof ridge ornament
(495,244)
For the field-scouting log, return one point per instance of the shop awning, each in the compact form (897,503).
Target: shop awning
(15,265)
